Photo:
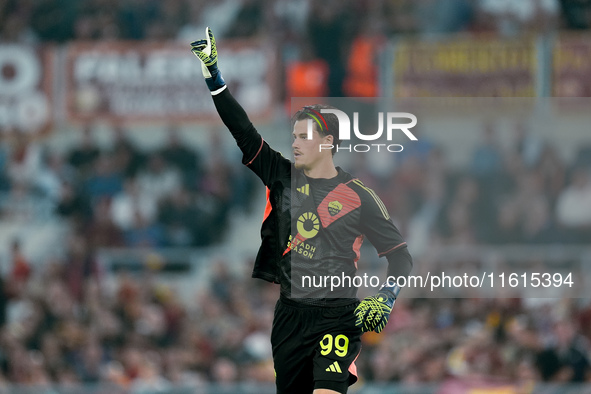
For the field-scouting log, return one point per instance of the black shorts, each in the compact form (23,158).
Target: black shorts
(314,347)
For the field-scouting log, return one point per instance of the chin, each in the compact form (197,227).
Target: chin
(300,166)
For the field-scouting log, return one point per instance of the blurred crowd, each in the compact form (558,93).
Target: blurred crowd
(515,188)
(68,325)
(521,191)
(314,39)
(118,195)
(59,21)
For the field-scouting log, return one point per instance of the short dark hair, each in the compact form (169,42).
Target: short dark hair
(328,124)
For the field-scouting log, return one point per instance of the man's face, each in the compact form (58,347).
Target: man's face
(307,153)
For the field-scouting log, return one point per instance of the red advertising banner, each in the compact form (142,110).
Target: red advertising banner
(571,66)
(26,88)
(148,81)
(465,68)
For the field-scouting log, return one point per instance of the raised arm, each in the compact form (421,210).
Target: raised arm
(257,155)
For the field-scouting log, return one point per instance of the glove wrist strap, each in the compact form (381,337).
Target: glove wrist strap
(216,81)
(391,287)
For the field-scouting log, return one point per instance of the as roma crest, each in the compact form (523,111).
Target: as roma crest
(334,207)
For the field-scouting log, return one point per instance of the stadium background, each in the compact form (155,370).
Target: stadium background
(128,225)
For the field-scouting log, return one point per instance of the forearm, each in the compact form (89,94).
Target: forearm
(236,120)
(399,263)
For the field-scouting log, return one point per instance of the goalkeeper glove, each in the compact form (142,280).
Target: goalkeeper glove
(373,312)
(207,52)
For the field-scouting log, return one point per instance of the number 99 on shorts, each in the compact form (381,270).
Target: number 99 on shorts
(339,343)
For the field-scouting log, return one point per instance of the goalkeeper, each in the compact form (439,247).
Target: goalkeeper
(316,218)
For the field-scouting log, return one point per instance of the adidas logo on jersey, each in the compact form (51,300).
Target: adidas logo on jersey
(334,367)
(304,189)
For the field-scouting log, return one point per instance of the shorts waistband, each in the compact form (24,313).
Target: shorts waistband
(307,303)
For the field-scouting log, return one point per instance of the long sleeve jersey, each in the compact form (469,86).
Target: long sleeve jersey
(313,229)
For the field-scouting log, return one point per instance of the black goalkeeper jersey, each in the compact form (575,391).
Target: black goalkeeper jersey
(313,228)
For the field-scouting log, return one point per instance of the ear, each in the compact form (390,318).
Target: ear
(329,138)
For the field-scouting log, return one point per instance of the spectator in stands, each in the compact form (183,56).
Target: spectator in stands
(487,158)
(538,225)
(25,160)
(144,233)
(186,224)
(224,371)
(158,179)
(218,183)
(329,29)
(553,172)
(529,146)
(306,76)
(53,172)
(132,201)
(460,214)
(184,159)
(418,150)
(73,205)
(105,180)
(126,155)
(80,265)
(20,268)
(100,229)
(83,156)
(567,360)
(507,226)
(53,356)
(362,77)
(90,361)
(248,21)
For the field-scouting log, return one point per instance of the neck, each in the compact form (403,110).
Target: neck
(326,171)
